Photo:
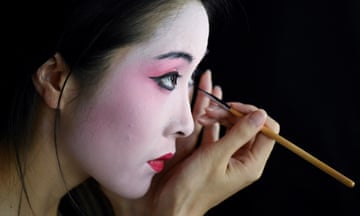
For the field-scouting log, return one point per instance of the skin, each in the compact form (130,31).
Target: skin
(227,164)
(130,120)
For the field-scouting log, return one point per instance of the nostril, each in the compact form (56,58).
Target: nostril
(180,133)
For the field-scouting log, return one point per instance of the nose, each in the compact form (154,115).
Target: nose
(184,126)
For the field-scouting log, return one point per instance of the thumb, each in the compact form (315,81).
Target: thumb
(241,133)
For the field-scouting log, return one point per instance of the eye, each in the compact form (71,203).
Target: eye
(167,81)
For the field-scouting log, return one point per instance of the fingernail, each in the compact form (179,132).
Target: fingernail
(218,86)
(257,118)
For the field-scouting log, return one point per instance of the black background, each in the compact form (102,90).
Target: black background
(299,61)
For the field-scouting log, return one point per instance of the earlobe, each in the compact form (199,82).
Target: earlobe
(49,79)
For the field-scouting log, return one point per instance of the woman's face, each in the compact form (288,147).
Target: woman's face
(123,133)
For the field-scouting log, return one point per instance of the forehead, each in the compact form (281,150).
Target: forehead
(187,28)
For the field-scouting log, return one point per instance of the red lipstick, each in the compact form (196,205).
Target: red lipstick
(158,164)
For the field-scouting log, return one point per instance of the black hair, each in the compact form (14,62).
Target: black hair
(83,33)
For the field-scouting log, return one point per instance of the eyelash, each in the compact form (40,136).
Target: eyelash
(167,81)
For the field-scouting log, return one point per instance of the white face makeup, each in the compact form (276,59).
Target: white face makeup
(141,107)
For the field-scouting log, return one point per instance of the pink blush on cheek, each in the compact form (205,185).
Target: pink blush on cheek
(118,124)
(108,136)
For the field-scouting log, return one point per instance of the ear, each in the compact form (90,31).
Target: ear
(49,79)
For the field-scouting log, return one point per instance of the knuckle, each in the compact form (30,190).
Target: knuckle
(276,127)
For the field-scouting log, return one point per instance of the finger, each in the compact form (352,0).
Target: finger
(216,113)
(261,138)
(212,115)
(272,124)
(241,133)
(263,145)
(217,91)
(211,132)
(202,101)
(243,108)
(191,92)
(185,145)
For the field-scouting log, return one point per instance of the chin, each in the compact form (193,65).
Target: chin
(133,192)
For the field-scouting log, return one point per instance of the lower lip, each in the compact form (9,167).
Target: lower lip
(157,165)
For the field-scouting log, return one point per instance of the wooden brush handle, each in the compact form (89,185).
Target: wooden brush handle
(303,154)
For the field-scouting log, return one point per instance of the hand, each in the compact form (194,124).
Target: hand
(219,167)
(200,178)
(184,147)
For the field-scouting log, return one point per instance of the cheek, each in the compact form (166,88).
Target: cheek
(93,133)
(113,129)
(107,124)
(117,131)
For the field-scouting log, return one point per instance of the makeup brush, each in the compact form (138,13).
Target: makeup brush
(287,144)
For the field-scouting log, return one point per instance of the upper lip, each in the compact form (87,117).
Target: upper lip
(166,156)
(158,163)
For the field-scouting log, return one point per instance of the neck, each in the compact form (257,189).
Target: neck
(41,185)
(129,207)
(35,190)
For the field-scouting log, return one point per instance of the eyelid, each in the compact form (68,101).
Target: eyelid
(165,81)
(174,72)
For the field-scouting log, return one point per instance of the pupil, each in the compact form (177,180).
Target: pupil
(173,79)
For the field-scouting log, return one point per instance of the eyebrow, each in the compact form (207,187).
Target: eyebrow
(173,55)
